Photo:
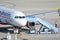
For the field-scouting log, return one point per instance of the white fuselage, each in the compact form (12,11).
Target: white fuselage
(13,17)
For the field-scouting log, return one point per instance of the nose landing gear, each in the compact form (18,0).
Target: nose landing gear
(17,30)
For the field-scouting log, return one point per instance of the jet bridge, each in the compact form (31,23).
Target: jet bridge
(46,27)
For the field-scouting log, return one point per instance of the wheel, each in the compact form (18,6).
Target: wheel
(16,31)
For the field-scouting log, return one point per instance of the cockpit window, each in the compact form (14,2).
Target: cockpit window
(20,17)
(16,16)
(23,16)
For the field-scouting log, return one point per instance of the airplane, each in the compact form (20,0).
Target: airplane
(16,18)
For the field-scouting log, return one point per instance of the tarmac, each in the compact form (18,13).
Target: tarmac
(24,35)
(29,7)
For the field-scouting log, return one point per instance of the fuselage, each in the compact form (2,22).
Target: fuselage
(12,17)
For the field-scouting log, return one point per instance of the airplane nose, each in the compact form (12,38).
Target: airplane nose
(23,22)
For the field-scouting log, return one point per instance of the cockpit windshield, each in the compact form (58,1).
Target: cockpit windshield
(20,17)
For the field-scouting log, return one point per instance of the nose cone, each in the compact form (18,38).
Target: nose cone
(20,22)
(19,18)
(23,22)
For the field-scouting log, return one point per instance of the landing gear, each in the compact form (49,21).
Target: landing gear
(32,30)
(17,30)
